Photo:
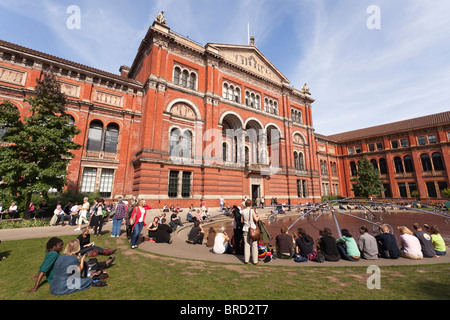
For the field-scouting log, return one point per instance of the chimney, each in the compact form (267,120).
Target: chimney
(124,71)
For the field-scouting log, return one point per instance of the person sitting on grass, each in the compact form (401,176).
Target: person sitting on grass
(67,272)
(53,247)
(86,246)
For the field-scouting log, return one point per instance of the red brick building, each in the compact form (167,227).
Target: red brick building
(412,156)
(186,122)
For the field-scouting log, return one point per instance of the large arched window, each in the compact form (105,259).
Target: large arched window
(398,165)
(111,138)
(353,169)
(437,161)
(95,136)
(174,149)
(186,144)
(409,167)
(192,81)
(176,75)
(383,166)
(426,163)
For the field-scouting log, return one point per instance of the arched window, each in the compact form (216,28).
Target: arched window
(301,161)
(409,167)
(383,166)
(192,81)
(176,75)
(398,165)
(186,144)
(296,160)
(224,90)
(257,102)
(184,78)
(174,148)
(374,164)
(224,152)
(95,136)
(353,169)
(237,95)
(437,161)
(111,138)
(426,163)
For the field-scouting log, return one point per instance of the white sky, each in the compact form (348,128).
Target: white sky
(358,76)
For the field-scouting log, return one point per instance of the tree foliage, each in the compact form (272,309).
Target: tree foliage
(368,181)
(36,150)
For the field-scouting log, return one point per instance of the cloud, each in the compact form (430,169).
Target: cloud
(361,77)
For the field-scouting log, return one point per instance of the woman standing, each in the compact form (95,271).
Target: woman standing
(97,217)
(83,213)
(68,269)
(138,222)
(249,219)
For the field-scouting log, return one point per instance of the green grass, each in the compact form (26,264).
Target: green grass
(137,274)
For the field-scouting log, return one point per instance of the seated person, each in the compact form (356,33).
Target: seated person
(327,246)
(411,247)
(222,242)
(153,227)
(347,246)
(196,234)
(304,245)
(175,221)
(425,240)
(53,247)
(438,241)
(86,245)
(284,244)
(367,244)
(163,233)
(190,217)
(387,245)
(211,237)
(12,211)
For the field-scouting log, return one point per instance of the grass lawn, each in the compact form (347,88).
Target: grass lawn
(137,274)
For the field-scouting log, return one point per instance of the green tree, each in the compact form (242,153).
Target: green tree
(36,150)
(368,181)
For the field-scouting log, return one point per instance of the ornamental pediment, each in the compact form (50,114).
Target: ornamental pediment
(251,59)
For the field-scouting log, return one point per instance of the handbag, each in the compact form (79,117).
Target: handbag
(254,233)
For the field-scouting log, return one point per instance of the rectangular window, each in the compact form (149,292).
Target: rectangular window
(394,144)
(442,185)
(357,149)
(88,180)
(404,143)
(106,182)
(350,150)
(186,184)
(432,138)
(387,190)
(379,146)
(371,147)
(173,184)
(431,188)
(412,189)
(421,141)
(402,190)
(301,188)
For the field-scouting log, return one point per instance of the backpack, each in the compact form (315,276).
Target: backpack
(319,257)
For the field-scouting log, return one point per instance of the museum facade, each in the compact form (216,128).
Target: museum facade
(187,122)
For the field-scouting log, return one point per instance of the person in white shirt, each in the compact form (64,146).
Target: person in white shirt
(411,247)
(60,213)
(221,242)
(83,213)
(12,210)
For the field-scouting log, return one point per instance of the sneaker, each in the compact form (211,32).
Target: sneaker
(77,229)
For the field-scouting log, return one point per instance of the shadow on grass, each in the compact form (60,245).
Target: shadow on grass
(434,290)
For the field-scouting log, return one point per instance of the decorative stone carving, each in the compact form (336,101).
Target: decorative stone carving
(183,111)
(305,89)
(108,98)
(13,76)
(70,89)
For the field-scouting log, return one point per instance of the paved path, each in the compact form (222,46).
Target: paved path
(179,248)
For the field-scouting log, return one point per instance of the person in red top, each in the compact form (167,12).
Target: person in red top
(138,221)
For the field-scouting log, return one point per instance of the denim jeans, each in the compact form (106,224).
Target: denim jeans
(343,252)
(117,223)
(136,233)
